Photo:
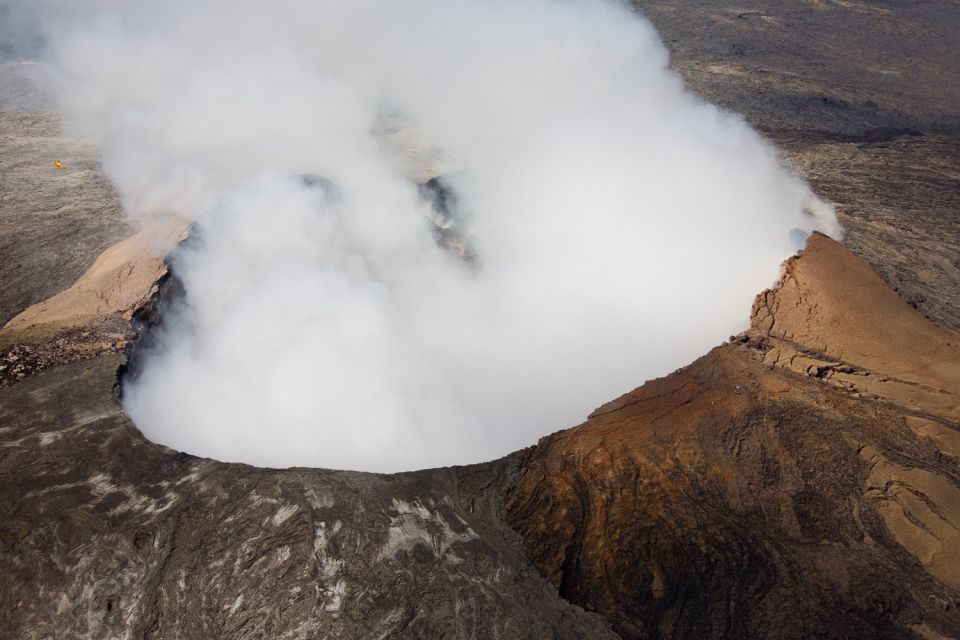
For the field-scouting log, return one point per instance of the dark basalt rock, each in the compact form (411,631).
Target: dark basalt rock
(448,224)
(107,535)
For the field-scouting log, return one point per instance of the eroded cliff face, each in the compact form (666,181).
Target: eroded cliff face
(800,481)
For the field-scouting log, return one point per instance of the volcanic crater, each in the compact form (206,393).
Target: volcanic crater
(800,480)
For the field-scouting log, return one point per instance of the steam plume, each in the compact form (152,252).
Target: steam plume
(596,225)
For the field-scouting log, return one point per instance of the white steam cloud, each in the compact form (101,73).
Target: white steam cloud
(602,226)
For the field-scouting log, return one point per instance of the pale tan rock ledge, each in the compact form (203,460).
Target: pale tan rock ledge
(92,317)
(832,317)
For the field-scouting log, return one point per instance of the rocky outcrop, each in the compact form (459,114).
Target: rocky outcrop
(92,316)
(121,281)
(800,481)
(833,318)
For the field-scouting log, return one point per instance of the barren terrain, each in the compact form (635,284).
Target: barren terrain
(799,481)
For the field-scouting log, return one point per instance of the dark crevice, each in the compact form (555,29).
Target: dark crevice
(449,225)
(148,322)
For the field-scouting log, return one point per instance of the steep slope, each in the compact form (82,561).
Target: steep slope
(800,481)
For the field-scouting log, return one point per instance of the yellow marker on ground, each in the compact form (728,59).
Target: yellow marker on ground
(58,164)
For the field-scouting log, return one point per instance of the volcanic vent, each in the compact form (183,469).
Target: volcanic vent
(514,237)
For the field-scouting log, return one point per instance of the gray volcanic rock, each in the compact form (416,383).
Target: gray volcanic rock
(53,222)
(855,70)
(107,535)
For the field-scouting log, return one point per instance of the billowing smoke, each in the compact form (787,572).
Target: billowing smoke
(594,224)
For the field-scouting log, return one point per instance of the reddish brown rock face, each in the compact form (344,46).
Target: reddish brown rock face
(788,484)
